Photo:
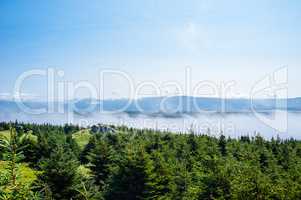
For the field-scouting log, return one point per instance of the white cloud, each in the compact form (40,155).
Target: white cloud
(23,96)
(5,96)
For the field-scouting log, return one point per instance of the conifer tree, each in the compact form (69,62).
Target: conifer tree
(60,173)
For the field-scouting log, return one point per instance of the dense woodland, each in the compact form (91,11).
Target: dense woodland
(121,163)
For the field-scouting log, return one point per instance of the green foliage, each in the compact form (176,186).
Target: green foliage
(60,173)
(16,179)
(5,135)
(64,162)
(25,179)
(82,138)
(129,181)
(101,159)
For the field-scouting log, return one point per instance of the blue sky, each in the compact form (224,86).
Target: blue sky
(153,40)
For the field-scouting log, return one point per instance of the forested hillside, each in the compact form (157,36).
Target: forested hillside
(121,163)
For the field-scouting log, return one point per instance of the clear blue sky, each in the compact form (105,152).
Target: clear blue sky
(151,40)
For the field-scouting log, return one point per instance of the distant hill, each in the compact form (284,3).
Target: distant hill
(163,105)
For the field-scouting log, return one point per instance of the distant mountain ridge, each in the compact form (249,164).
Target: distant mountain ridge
(173,104)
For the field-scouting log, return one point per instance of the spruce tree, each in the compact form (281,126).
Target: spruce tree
(60,173)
